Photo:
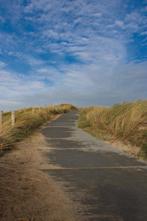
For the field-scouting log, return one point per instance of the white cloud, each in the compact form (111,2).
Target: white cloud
(13,88)
(144,33)
(92,32)
(119,23)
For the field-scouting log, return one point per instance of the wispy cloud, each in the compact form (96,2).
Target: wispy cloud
(78,51)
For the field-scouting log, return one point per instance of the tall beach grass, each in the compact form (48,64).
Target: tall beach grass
(126,122)
(27,120)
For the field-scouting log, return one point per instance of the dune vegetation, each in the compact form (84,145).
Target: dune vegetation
(26,121)
(125,122)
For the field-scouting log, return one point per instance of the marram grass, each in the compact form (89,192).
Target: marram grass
(27,120)
(126,122)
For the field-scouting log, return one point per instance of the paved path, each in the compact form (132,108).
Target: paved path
(107,185)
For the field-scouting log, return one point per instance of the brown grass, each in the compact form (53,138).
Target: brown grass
(126,122)
(27,193)
(27,120)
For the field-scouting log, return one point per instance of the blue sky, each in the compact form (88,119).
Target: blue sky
(79,51)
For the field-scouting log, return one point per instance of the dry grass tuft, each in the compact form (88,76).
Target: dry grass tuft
(27,120)
(126,122)
(27,193)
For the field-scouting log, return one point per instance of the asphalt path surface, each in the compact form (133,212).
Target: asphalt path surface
(105,184)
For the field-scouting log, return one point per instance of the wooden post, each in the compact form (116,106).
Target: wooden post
(13,118)
(33,110)
(1,121)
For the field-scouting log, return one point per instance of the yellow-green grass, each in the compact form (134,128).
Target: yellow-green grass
(126,122)
(27,120)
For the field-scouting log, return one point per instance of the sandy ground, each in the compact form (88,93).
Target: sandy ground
(26,192)
(126,148)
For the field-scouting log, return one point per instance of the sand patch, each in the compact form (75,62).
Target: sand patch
(26,192)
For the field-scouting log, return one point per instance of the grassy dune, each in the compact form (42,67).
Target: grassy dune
(27,120)
(126,122)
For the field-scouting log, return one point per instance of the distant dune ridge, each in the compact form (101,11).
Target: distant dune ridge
(26,121)
(125,122)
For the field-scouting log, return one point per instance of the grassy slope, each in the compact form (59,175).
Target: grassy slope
(126,122)
(27,120)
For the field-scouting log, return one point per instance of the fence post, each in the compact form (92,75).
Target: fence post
(33,110)
(1,120)
(13,118)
